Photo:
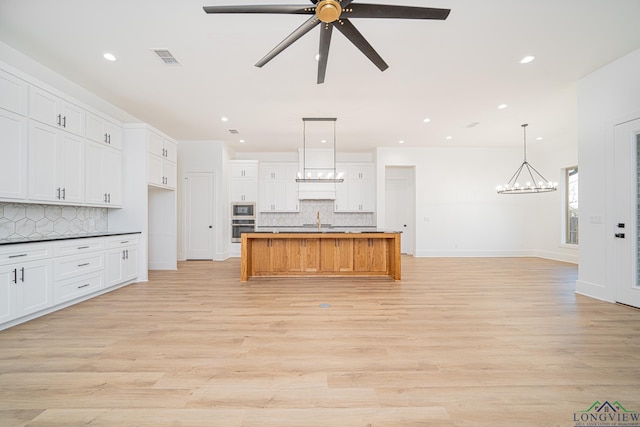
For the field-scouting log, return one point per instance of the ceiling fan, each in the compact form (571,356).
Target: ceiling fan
(334,13)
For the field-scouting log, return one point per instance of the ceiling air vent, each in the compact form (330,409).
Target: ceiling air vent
(165,56)
(233,131)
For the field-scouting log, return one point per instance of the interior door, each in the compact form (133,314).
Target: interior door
(625,228)
(199,215)
(400,205)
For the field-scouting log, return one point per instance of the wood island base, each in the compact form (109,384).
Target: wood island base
(320,254)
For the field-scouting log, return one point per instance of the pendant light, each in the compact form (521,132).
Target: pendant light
(531,181)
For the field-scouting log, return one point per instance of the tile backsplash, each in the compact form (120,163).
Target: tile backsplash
(19,220)
(307,215)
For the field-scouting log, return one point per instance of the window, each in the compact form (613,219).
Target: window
(571,205)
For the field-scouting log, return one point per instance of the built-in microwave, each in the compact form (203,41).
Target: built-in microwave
(243,210)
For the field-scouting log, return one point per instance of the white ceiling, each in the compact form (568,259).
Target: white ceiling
(454,72)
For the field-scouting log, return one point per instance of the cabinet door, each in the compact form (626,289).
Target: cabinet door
(8,278)
(94,191)
(278,252)
(154,171)
(44,107)
(311,261)
(261,256)
(13,155)
(113,133)
(42,162)
(370,255)
(170,174)
(170,151)
(113,176)
(35,287)
(70,168)
(336,255)
(155,144)
(72,118)
(14,94)
(244,170)
(130,265)
(114,263)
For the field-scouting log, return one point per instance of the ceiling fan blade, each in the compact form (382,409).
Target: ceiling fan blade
(288,41)
(323,51)
(365,10)
(292,9)
(351,32)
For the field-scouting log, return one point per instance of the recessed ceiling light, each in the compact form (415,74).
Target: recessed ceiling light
(224,119)
(449,137)
(242,141)
(324,141)
(318,57)
(427,120)
(109,56)
(527,59)
(401,142)
(502,106)
(539,138)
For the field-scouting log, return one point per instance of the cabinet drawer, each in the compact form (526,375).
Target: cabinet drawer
(78,246)
(122,241)
(77,287)
(23,253)
(75,265)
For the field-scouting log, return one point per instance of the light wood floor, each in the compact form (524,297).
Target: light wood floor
(458,342)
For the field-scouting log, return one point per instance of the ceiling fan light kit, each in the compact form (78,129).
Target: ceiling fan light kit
(534,181)
(334,13)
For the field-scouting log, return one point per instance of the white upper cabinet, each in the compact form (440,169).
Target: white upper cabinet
(356,193)
(104,131)
(13,155)
(14,93)
(52,110)
(103,177)
(278,187)
(244,181)
(56,165)
(162,155)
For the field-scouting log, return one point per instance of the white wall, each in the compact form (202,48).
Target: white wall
(459,213)
(608,96)
(206,156)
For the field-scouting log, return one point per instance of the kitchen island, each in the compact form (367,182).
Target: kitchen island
(315,253)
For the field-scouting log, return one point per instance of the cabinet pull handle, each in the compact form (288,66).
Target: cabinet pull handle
(17,256)
(58,193)
(15,275)
(84,286)
(64,121)
(109,139)
(83,247)
(64,194)
(126,241)
(127,251)
(59,119)
(22,274)
(105,197)
(109,198)
(106,140)
(84,265)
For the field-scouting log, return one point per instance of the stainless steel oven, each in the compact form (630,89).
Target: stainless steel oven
(243,210)
(243,220)
(239,226)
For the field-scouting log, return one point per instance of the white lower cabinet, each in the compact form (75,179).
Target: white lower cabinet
(37,277)
(25,288)
(121,260)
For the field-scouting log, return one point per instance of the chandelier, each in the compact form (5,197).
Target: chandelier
(319,164)
(534,182)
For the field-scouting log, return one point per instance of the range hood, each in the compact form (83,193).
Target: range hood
(318,177)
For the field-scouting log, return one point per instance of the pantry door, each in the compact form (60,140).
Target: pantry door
(626,221)
(199,216)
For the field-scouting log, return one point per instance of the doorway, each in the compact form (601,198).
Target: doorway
(400,204)
(199,216)
(625,227)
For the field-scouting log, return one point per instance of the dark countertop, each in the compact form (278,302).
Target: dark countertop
(324,229)
(42,239)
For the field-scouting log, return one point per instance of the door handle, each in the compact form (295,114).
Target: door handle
(620,235)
